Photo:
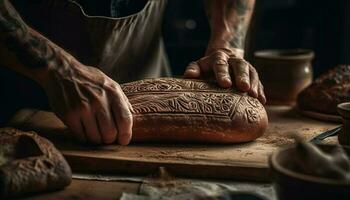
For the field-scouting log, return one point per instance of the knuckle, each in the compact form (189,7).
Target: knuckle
(118,93)
(219,54)
(127,118)
(220,62)
(240,62)
(253,71)
(222,74)
(243,74)
(117,86)
(113,88)
(262,87)
(124,122)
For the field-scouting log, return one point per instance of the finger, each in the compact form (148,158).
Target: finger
(90,126)
(254,82)
(241,73)
(261,95)
(106,126)
(123,119)
(128,102)
(192,70)
(221,70)
(74,124)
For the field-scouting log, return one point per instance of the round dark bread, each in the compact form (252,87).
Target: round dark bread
(184,110)
(327,91)
(33,164)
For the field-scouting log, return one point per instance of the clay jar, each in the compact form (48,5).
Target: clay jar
(284,73)
(344,135)
(291,184)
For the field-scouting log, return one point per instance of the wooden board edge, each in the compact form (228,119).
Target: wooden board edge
(186,170)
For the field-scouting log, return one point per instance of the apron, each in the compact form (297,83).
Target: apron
(126,49)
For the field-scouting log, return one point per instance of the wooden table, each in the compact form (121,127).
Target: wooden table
(246,161)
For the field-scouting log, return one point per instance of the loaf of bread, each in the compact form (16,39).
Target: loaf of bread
(327,91)
(185,110)
(30,164)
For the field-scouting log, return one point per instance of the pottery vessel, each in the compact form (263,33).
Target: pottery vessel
(291,184)
(344,135)
(284,73)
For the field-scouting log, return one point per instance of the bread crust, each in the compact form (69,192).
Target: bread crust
(185,110)
(327,91)
(33,164)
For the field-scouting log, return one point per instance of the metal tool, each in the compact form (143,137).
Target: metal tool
(333,132)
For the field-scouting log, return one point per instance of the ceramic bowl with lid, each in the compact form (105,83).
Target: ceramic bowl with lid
(291,184)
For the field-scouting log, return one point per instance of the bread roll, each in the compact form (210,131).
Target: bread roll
(327,91)
(30,164)
(185,110)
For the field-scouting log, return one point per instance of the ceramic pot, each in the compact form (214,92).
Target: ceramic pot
(291,184)
(344,135)
(284,73)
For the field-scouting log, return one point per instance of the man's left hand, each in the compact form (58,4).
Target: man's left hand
(230,70)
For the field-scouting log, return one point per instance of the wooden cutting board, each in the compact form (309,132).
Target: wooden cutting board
(247,161)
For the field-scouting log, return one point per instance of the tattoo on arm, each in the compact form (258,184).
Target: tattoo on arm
(31,49)
(242,8)
(229,19)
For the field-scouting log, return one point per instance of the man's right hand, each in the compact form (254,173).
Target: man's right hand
(91,104)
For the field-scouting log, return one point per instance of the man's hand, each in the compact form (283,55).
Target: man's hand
(229,20)
(91,104)
(230,70)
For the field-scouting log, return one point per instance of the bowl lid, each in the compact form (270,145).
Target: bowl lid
(301,176)
(285,54)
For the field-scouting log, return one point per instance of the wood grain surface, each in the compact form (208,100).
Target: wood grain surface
(247,161)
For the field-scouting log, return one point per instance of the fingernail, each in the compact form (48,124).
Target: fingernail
(191,73)
(221,62)
(191,70)
(244,84)
(244,80)
(227,80)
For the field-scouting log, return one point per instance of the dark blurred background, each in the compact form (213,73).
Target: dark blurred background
(323,26)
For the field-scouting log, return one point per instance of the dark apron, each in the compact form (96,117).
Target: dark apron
(126,49)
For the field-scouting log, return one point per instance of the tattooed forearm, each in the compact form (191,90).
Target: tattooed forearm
(10,21)
(243,10)
(229,21)
(30,48)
